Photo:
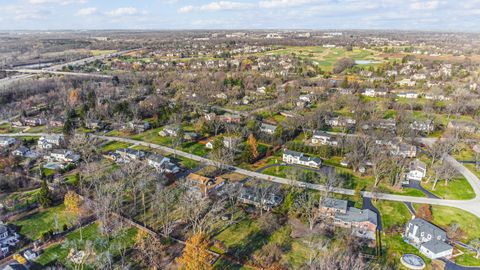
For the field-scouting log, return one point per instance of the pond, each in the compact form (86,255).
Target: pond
(366,62)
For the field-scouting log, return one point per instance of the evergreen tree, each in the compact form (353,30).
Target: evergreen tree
(44,195)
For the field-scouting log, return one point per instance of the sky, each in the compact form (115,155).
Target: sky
(436,15)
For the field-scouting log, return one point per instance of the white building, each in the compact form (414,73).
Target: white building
(292,157)
(7,141)
(50,141)
(428,238)
(417,170)
(324,138)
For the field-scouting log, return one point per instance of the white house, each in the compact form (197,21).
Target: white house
(324,138)
(7,141)
(406,82)
(130,154)
(162,164)
(292,157)
(50,141)
(267,128)
(428,238)
(64,155)
(408,95)
(169,131)
(425,126)
(417,170)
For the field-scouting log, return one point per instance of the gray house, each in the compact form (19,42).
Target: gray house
(428,238)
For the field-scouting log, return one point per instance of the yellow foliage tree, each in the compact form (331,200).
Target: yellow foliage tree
(254,145)
(195,255)
(72,202)
(74,97)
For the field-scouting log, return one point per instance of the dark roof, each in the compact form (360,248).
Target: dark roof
(15,266)
(428,228)
(358,215)
(437,246)
(335,203)
(292,153)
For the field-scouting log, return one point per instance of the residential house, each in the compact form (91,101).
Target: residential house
(169,131)
(63,155)
(230,118)
(267,128)
(428,238)
(370,92)
(324,138)
(205,185)
(33,121)
(403,149)
(462,126)
(191,136)
(306,98)
(340,121)
(15,266)
(408,95)
(138,127)
(418,77)
(50,141)
(407,82)
(293,157)
(130,154)
(162,164)
(8,239)
(7,141)
(424,126)
(362,222)
(416,171)
(95,124)
(266,201)
(331,206)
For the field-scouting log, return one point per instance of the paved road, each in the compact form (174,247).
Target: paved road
(42,71)
(472,206)
(416,185)
(6,81)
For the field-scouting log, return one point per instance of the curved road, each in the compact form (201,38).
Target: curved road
(472,206)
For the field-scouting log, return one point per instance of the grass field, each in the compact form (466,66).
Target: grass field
(458,189)
(395,215)
(112,146)
(33,226)
(90,233)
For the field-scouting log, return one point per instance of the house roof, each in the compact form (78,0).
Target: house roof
(437,246)
(292,153)
(418,165)
(335,203)
(198,178)
(3,228)
(156,157)
(15,266)
(428,228)
(358,215)
(321,133)
(268,126)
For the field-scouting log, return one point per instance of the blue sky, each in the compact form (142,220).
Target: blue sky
(456,15)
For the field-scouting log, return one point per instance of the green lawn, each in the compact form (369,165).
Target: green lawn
(89,233)
(152,136)
(195,148)
(393,213)
(112,146)
(33,226)
(239,233)
(467,259)
(458,189)
(7,128)
(469,223)
(223,264)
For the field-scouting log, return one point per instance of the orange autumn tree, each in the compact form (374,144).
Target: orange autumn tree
(74,97)
(195,255)
(72,202)
(254,145)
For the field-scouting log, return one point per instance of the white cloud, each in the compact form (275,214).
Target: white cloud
(283,3)
(185,9)
(123,11)
(226,5)
(59,2)
(425,5)
(87,11)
